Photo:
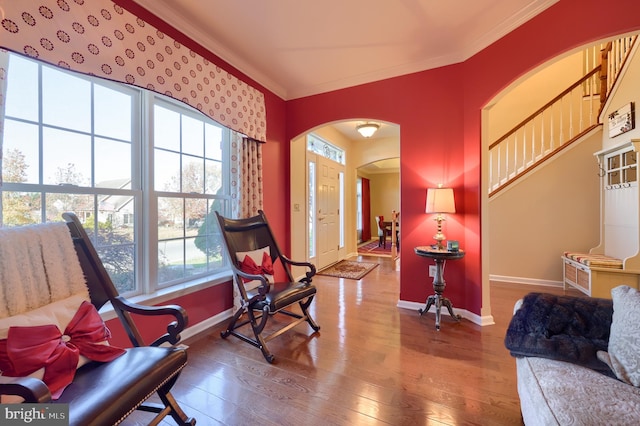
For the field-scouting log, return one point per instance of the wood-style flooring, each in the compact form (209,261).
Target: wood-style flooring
(371,363)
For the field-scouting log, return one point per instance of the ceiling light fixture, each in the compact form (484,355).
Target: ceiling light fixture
(367,129)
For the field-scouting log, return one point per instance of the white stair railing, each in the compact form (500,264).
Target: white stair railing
(561,121)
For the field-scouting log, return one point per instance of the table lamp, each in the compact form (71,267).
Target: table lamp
(440,200)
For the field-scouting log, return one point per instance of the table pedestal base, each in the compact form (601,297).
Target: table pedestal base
(439,256)
(438,300)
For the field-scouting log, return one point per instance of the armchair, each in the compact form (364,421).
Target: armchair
(100,392)
(253,253)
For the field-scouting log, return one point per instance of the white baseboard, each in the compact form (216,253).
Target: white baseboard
(522,280)
(476,319)
(203,326)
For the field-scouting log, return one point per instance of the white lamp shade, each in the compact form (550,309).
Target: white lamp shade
(440,200)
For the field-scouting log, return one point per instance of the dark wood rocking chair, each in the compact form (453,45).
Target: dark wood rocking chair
(263,299)
(105,393)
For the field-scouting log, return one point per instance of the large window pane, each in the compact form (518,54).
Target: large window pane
(195,212)
(166,128)
(170,217)
(119,261)
(213,142)
(192,136)
(195,260)
(20,208)
(56,204)
(112,113)
(113,165)
(115,213)
(192,174)
(213,177)
(170,260)
(167,171)
(21,161)
(22,90)
(66,158)
(62,88)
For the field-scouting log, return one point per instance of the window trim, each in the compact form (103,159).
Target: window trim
(145,210)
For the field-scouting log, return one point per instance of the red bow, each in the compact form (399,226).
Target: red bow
(249,266)
(30,348)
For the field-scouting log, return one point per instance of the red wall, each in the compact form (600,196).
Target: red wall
(439,116)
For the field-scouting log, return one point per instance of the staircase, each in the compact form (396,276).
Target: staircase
(560,122)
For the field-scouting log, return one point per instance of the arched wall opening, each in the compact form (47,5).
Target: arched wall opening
(359,151)
(562,220)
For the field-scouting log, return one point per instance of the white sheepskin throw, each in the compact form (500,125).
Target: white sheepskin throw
(38,265)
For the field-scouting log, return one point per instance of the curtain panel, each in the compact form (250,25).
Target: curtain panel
(4,65)
(246,176)
(100,38)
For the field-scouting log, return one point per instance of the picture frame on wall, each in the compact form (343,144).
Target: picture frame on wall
(622,120)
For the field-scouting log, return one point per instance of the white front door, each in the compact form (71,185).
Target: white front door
(327,214)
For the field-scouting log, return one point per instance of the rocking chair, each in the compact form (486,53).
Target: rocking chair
(252,252)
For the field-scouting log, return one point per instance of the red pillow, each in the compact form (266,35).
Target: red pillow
(249,266)
(27,349)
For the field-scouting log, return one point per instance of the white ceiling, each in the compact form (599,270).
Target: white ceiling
(298,48)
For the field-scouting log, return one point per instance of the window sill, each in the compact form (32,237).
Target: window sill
(169,293)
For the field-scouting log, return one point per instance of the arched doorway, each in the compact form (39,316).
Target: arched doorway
(358,151)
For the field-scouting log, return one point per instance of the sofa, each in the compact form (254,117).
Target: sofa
(577,358)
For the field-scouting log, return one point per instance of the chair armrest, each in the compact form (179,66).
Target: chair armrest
(263,289)
(29,388)
(124,308)
(309,274)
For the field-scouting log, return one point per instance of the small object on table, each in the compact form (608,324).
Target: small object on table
(437,299)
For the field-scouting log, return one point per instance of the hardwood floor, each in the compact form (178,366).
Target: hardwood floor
(372,363)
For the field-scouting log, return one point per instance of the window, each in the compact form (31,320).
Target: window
(319,146)
(121,158)
(312,209)
(189,169)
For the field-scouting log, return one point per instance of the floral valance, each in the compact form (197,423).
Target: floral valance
(100,38)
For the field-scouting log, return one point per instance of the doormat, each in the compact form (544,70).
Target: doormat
(371,249)
(349,269)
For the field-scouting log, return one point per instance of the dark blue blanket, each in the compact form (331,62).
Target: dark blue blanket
(564,328)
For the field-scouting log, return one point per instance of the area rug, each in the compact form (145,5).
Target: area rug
(349,269)
(371,249)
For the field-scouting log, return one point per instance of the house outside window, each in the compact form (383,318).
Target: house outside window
(142,172)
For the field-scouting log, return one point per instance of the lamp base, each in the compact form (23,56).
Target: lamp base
(439,237)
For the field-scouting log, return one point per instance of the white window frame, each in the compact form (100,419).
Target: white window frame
(145,217)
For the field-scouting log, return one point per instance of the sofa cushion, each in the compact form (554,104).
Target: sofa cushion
(559,393)
(623,354)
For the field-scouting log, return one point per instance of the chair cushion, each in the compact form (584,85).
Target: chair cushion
(595,260)
(623,353)
(284,294)
(103,393)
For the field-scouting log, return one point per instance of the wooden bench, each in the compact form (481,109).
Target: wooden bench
(100,393)
(596,274)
